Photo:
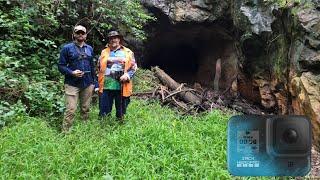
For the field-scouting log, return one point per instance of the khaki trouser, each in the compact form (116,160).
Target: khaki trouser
(72,94)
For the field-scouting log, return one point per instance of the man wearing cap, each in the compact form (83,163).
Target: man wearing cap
(76,63)
(117,66)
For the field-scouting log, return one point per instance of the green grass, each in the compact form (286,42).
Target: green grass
(155,143)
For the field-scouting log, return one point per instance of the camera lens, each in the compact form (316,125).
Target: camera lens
(290,136)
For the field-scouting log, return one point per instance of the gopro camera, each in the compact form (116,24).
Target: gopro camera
(269,145)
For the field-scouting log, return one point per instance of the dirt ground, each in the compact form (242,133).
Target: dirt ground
(315,164)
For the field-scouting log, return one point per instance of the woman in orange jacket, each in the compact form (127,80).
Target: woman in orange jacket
(117,67)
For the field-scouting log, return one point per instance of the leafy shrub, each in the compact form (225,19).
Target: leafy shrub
(45,98)
(144,80)
(27,55)
(9,112)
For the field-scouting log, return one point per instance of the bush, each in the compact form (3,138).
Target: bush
(8,113)
(45,98)
(144,81)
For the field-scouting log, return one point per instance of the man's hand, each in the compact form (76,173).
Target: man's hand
(96,90)
(125,77)
(77,73)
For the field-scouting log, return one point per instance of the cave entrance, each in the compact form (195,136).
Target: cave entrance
(189,52)
(179,61)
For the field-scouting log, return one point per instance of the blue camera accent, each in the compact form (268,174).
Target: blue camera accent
(269,145)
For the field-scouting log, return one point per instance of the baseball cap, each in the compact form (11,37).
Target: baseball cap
(79,28)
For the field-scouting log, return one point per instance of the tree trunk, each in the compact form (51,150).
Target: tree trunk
(172,84)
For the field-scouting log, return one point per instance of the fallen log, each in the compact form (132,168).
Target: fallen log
(172,84)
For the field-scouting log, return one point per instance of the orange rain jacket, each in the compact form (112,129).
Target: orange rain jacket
(129,64)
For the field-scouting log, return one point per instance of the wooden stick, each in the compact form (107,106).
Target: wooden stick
(179,104)
(174,93)
(161,92)
(217,75)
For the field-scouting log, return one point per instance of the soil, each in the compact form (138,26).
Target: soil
(315,163)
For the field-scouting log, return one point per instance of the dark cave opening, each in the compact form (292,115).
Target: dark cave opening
(189,52)
(179,61)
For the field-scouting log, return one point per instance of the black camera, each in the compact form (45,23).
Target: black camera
(288,136)
(269,145)
(116,71)
(116,75)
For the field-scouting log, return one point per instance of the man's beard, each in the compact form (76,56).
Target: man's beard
(81,39)
(114,45)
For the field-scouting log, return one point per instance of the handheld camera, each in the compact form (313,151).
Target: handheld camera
(117,70)
(269,145)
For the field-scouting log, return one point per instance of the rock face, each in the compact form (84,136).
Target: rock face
(305,69)
(190,10)
(269,53)
(309,19)
(253,16)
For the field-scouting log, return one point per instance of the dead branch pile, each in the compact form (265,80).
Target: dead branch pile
(194,100)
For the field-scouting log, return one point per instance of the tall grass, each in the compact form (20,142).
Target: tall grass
(154,143)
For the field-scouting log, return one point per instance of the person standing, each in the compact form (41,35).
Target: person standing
(76,64)
(117,66)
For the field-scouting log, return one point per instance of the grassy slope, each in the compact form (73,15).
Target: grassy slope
(154,143)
